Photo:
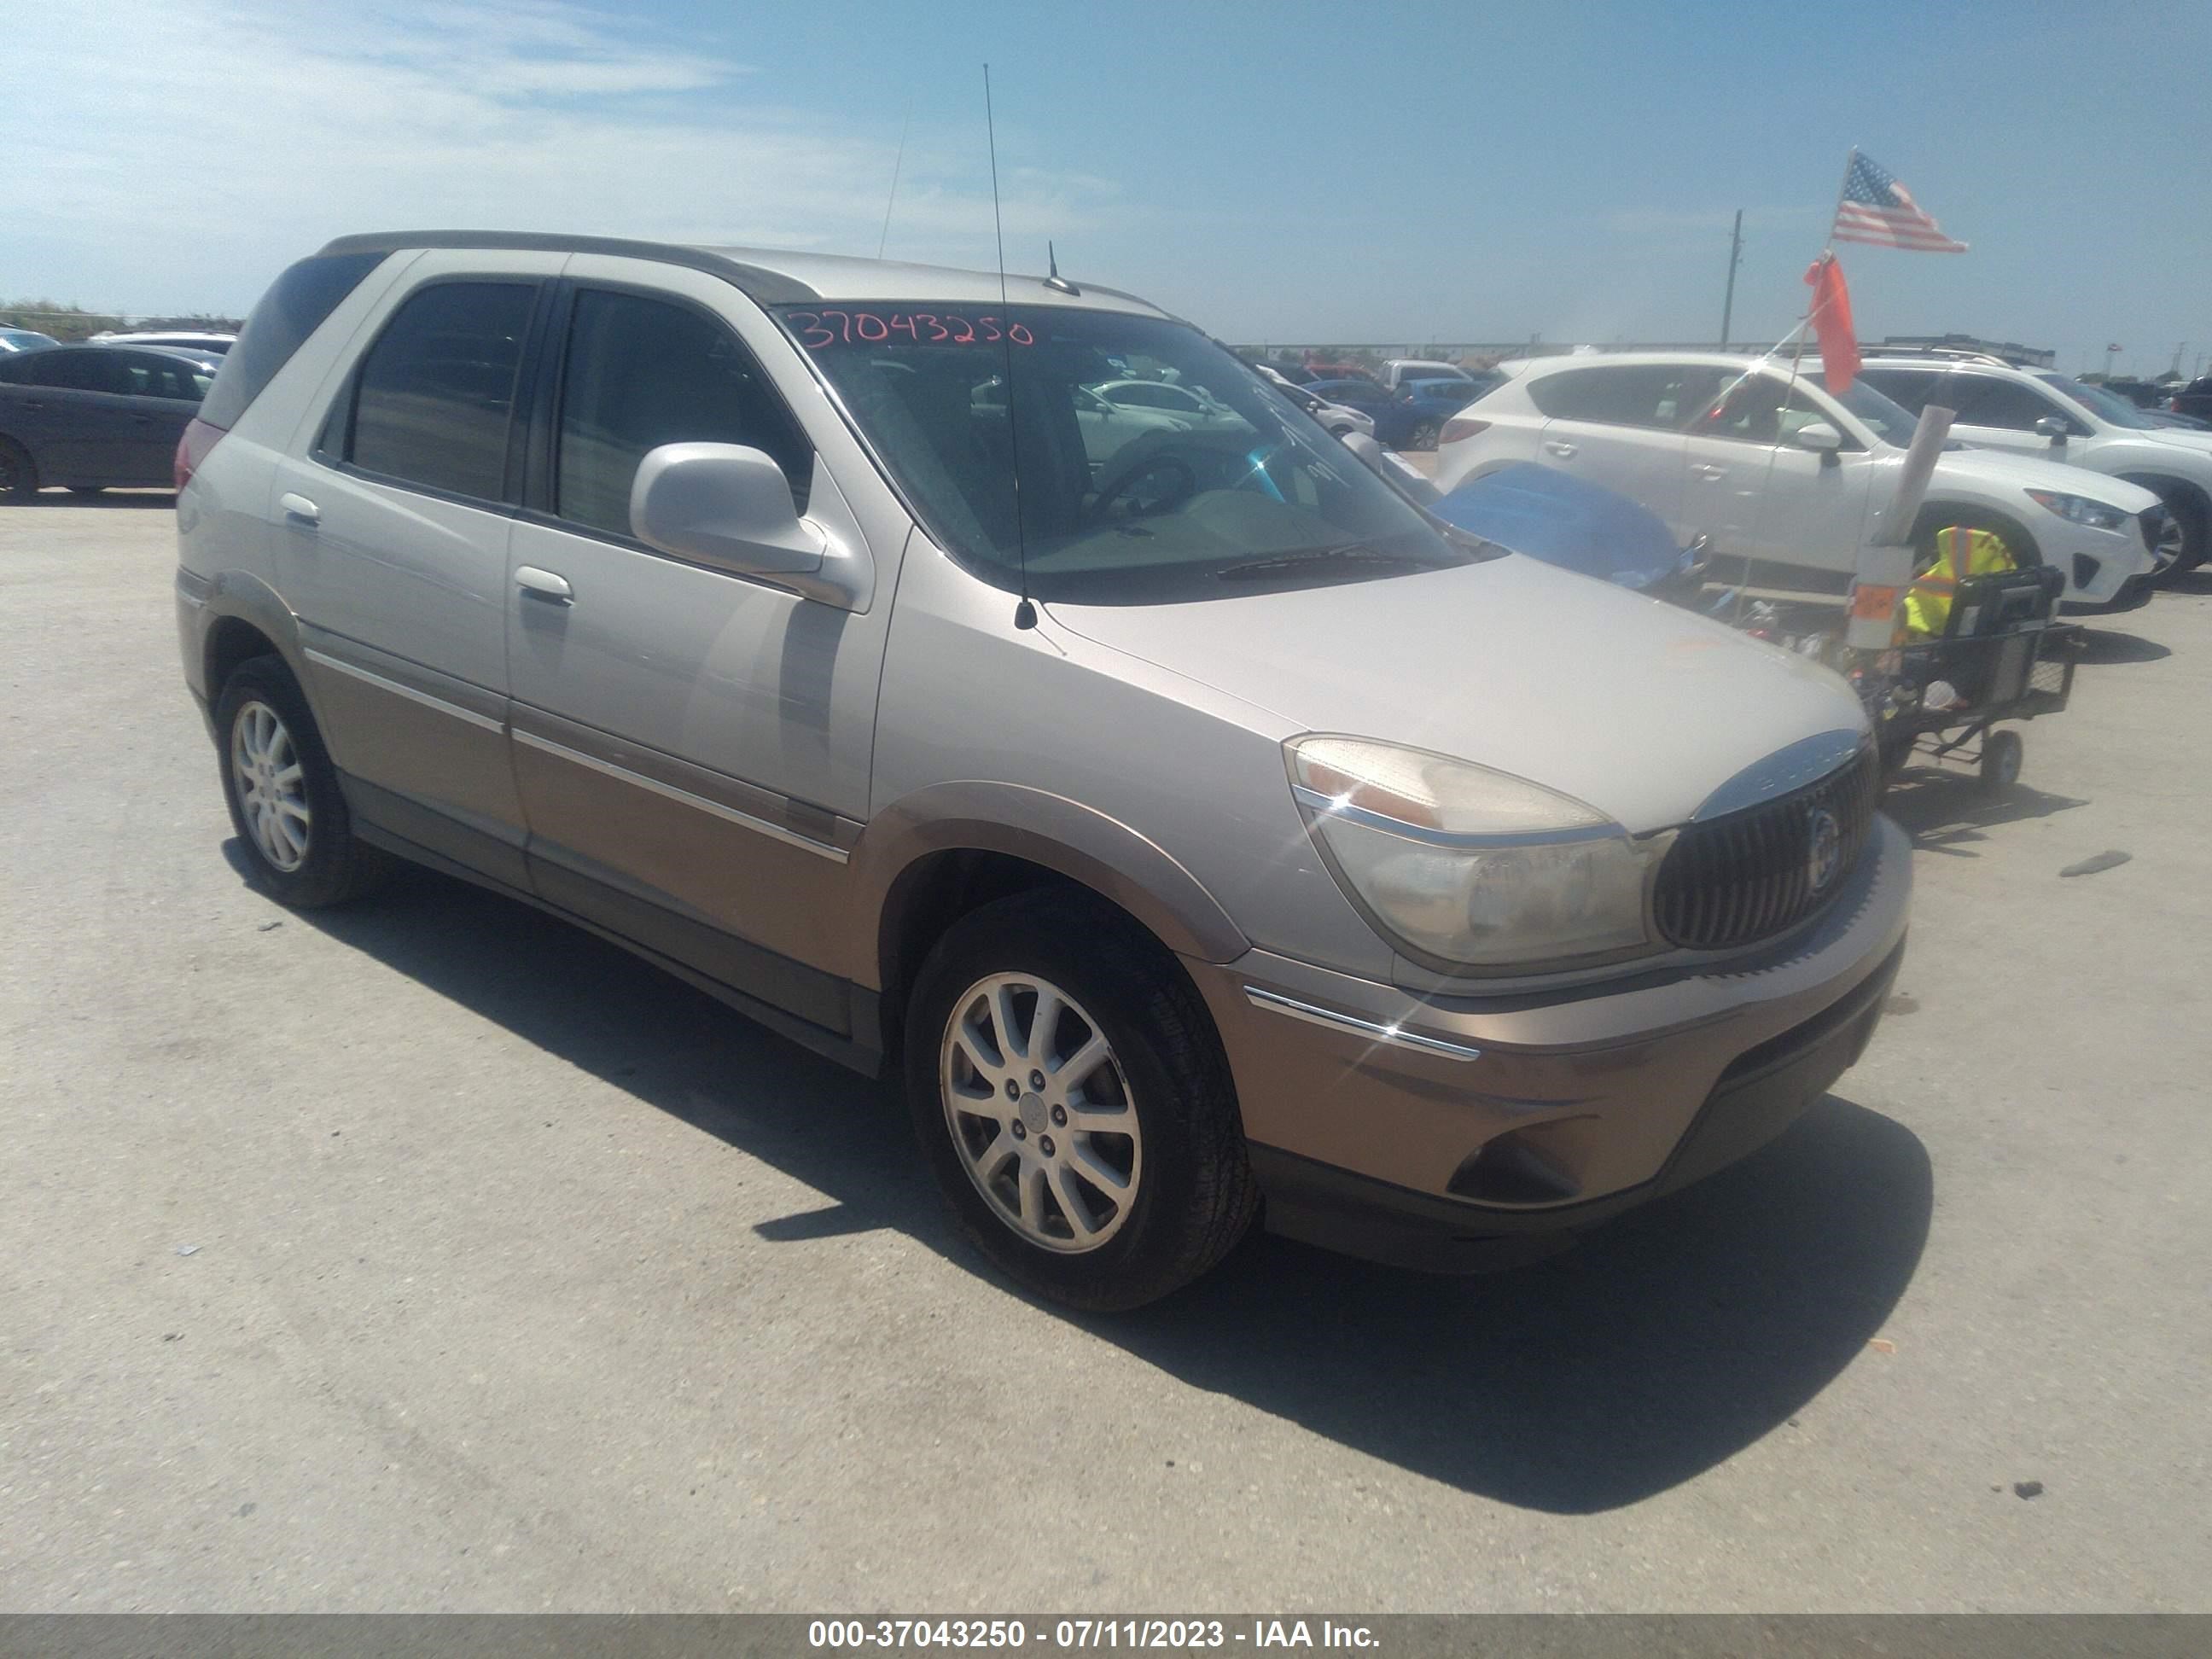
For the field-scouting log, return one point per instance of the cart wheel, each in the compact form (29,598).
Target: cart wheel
(2001,753)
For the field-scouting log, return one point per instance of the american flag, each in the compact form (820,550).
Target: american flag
(1878,209)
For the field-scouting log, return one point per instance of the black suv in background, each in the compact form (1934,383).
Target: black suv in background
(2195,398)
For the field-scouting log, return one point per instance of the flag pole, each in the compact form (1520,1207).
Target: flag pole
(1796,356)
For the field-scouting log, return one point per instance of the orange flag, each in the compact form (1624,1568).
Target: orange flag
(1831,324)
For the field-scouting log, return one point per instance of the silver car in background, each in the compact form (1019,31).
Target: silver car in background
(1200,830)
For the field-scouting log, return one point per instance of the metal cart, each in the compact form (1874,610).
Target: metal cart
(2002,657)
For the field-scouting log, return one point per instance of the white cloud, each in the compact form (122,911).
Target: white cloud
(233,135)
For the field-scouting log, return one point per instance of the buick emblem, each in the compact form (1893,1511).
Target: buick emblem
(1824,853)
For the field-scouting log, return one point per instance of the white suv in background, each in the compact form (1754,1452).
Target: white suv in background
(1773,470)
(2038,411)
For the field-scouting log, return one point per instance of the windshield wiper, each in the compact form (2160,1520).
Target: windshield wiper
(1354,553)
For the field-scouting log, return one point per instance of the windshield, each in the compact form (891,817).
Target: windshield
(1118,503)
(2106,405)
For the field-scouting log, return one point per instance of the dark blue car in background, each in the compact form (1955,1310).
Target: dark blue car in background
(1412,416)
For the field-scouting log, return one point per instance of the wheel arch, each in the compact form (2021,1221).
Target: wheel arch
(245,618)
(1937,514)
(928,861)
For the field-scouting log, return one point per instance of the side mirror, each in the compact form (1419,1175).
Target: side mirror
(1820,436)
(2052,427)
(729,507)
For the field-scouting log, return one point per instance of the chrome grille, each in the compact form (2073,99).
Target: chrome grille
(1737,879)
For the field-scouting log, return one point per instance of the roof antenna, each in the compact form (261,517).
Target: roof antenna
(1055,280)
(897,162)
(1024,613)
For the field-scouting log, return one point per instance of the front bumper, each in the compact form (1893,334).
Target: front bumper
(2132,595)
(1466,1132)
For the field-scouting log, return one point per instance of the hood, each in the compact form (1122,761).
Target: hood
(2197,443)
(1636,707)
(1999,467)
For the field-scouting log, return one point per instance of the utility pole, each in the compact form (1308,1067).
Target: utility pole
(1735,258)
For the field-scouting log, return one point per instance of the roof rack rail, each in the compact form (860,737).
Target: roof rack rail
(1948,354)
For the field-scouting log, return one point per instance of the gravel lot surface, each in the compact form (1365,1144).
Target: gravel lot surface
(430,1254)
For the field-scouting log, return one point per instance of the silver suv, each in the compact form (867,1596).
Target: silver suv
(1201,830)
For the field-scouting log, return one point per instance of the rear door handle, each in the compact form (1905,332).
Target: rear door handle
(297,505)
(544,585)
(1706,471)
(1562,450)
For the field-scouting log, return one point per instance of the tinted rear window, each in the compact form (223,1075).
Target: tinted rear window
(436,390)
(294,309)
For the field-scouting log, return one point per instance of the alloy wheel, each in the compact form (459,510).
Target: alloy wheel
(1039,1112)
(272,794)
(2166,547)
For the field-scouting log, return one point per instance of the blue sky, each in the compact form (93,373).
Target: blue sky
(1277,172)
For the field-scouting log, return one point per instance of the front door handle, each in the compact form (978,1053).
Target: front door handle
(1562,450)
(297,505)
(544,585)
(1706,471)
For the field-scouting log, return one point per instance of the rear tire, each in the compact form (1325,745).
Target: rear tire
(1165,1133)
(1424,436)
(283,794)
(19,474)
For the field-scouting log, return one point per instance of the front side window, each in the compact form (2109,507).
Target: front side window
(640,372)
(2099,402)
(1115,505)
(1761,409)
(435,394)
(1985,400)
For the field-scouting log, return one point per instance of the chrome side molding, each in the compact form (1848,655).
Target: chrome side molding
(1373,1031)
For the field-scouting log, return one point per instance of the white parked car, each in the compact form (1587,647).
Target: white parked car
(1341,419)
(2038,411)
(1399,370)
(1187,403)
(171,339)
(1778,471)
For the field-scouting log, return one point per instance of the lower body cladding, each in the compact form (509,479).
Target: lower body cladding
(1465,1133)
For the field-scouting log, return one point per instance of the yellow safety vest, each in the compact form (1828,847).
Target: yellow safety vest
(1959,552)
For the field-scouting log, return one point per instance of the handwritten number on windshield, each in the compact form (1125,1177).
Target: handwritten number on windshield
(820,330)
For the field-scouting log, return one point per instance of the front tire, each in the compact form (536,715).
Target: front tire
(283,794)
(2195,524)
(1073,1101)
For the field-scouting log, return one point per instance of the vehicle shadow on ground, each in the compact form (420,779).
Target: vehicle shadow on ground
(164,499)
(1659,1347)
(1944,809)
(2103,647)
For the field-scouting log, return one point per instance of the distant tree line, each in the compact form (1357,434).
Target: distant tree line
(76,323)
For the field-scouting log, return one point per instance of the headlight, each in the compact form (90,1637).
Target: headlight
(2080,509)
(1469,865)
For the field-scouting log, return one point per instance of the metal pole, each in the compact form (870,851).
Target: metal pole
(1735,258)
